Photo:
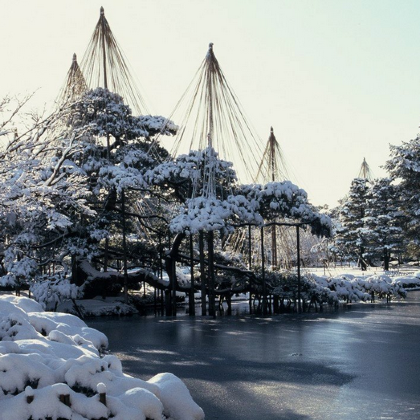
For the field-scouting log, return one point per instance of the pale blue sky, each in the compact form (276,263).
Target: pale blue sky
(338,80)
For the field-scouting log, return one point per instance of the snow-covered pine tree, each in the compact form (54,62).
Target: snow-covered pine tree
(350,235)
(115,157)
(404,169)
(61,182)
(382,221)
(40,193)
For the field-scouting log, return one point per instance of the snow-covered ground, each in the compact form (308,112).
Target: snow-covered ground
(53,366)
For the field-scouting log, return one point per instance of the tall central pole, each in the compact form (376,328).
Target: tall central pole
(210,70)
(102,20)
(272,141)
(210,165)
(103,46)
(211,187)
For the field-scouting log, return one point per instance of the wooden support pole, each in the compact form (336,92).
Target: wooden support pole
(249,248)
(264,308)
(65,399)
(174,280)
(124,237)
(192,290)
(212,297)
(249,265)
(101,388)
(274,262)
(298,268)
(203,275)
(29,392)
(102,14)
(102,398)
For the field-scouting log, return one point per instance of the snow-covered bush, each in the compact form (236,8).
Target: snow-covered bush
(51,291)
(316,289)
(407,282)
(53,366)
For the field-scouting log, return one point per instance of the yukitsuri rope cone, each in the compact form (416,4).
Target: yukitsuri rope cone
(74,86)
(365,171)
(105,65)
(209,115)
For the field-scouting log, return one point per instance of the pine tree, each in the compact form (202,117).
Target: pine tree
(115,155)
(382,221)
(404,169)
(350,234)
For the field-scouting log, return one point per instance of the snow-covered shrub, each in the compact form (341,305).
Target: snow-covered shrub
(407,282)
(52,366)
(20,268)
(50,292)
(332,290)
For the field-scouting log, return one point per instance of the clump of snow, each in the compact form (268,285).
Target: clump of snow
(173,394)
(101,388)
(53,366)
(202,214)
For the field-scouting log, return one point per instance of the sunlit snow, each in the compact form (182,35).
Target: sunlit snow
(54,366)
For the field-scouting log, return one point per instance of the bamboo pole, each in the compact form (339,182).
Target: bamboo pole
(203,275)
(264,308)
(124,229)
(212,298)
(298,267)
(191,295)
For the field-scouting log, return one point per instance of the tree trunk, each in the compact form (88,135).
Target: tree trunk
(363,265)
(387,257)
(170,265)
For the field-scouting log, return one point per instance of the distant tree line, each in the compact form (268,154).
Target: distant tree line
(379,220)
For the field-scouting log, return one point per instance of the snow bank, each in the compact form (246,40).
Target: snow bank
(53,366)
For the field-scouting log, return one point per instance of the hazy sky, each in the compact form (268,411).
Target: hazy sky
(339,80)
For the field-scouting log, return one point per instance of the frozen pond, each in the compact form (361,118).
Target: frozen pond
(360,363)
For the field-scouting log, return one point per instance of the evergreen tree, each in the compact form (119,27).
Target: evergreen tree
(350,233)
(61,185)
(404,169)
(41,192)
(382,219)
(115,155)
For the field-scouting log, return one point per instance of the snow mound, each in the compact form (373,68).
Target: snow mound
(53,366)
